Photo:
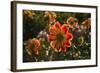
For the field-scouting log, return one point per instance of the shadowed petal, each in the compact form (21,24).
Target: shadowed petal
(64,49)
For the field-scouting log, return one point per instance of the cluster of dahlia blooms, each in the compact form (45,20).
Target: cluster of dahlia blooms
(59,41)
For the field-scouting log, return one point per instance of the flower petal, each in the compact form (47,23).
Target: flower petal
(58,47)
(52,30)
(55,46)
(36,42)
(64,49)
(52,44)
(69,36)
(57,25)
(51,37)
(36,51)
(64,28)
(67,44)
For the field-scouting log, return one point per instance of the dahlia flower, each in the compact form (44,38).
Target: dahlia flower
(33,46)
(59,37)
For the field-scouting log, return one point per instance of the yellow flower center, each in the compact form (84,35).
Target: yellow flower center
(60,37)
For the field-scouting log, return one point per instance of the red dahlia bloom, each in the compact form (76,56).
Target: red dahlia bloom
(59,37)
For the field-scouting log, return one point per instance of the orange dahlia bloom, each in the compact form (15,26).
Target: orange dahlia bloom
(29,13)
(59,37)
(33,46)
(72,22)
(52,16)
(86,24)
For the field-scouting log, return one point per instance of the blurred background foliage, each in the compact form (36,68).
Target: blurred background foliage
(35,21)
